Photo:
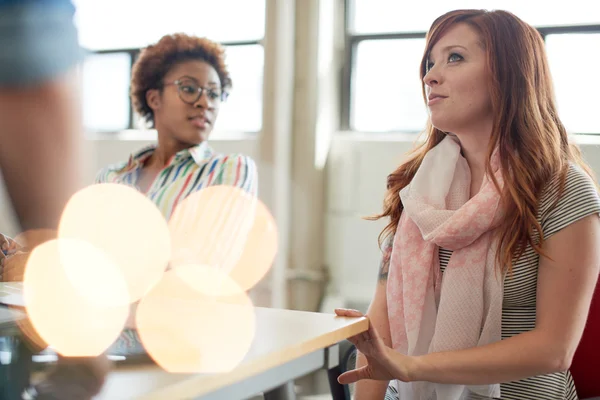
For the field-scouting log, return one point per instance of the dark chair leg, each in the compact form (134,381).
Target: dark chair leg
(283,392)
(339,391)
(16,374)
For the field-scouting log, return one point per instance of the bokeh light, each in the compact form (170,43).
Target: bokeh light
(126,226)
(196,320)
(259,250)
(80,313)
(227,228)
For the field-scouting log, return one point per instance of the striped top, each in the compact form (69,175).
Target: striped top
(186,172)
(579,200)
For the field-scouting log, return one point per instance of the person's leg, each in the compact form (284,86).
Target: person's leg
(42,137)
(40,124)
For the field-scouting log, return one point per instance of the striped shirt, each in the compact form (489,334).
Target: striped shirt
(186,172)
(579,200)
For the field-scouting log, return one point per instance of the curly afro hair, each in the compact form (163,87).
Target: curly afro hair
(155,61)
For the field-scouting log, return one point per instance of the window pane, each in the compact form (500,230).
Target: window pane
(375,16)
(570,57)
(120,24)
(243,109)
(106,91)
(387,94)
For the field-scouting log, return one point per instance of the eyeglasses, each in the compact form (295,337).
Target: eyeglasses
(190,92)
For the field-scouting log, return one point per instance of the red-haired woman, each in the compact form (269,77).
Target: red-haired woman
(491,254)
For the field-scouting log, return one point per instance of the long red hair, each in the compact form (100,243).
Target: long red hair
(533,144)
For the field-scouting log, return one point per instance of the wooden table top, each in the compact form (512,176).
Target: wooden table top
(281,336)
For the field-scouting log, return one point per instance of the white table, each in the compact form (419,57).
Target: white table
(288,345)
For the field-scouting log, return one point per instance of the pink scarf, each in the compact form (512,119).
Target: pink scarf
(463,309)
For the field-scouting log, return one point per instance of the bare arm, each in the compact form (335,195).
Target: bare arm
(566,283)
(377,312)
(41,138)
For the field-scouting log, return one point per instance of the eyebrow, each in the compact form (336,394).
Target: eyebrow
(454,46)
(196,80)
(188,77)
(448,48)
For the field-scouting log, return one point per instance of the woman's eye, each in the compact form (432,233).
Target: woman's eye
(454,57)
(189,89)
(213,95)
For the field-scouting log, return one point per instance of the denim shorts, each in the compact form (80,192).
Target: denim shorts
(38,41)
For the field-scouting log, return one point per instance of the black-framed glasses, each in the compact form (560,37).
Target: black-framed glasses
(190,91)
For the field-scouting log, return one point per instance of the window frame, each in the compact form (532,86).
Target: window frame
(351,41)
(134,54)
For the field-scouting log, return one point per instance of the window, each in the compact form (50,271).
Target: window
(577,95)
(243,109)
(105,91)
(114,31)
(385,43)
(387,91)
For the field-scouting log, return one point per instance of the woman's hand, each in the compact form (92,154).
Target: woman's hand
(13,267)
(383,362)
(11,270)
(8,245)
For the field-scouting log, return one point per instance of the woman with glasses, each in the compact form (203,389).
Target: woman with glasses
(178,86)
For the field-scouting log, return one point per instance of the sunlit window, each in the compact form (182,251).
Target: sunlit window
(113,25)
(380,16)
(105,91)
(386,45)
(387,88)
(577,96)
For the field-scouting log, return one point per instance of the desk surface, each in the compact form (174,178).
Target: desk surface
(281,336)
(11,294)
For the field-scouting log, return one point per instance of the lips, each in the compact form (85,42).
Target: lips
(435,98)
(199,122)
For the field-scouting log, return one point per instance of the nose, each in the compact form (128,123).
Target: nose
(432,77)
(202,101)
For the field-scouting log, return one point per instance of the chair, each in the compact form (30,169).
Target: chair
(347,363)
(585,367)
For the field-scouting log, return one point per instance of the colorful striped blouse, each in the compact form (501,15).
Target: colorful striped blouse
(187,172)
